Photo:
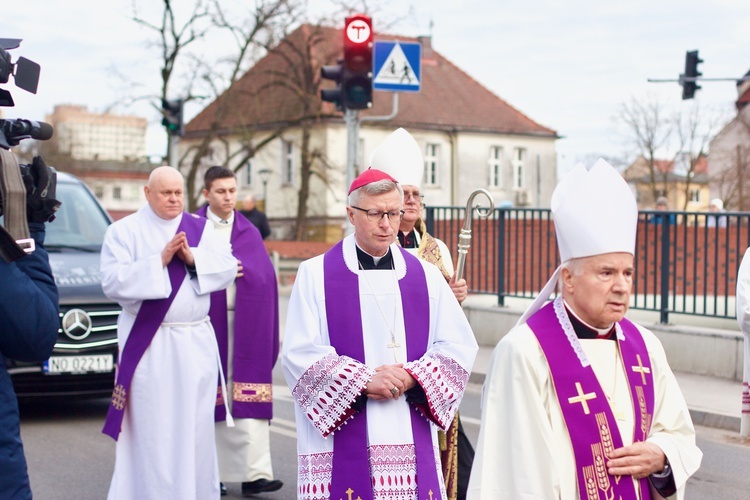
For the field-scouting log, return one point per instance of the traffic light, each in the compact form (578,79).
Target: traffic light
(691,71)
(333,73)
(172,111)
(356,78)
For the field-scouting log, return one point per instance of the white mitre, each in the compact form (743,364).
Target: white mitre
(595,213)
(400,157)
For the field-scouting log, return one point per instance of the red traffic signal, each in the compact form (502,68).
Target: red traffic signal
(356,80)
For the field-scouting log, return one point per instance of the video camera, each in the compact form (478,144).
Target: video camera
(27,192)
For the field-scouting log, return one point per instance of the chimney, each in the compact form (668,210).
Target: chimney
(426,42)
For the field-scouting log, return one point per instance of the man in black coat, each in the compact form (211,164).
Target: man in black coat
(255,216)
(28,328)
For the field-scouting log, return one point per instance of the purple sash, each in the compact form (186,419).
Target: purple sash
(256,325)
(588,417)
(351,465)
(147,322)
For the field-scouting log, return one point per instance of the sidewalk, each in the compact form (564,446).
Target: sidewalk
(713,402)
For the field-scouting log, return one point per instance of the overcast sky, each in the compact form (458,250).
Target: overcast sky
(567,65)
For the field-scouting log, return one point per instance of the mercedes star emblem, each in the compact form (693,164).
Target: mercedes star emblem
(76,324)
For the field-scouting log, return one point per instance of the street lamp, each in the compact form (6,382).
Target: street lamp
(264,175)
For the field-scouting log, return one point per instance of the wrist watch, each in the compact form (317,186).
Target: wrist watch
(666,471)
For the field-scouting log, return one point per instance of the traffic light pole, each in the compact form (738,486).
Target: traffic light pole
(174,141)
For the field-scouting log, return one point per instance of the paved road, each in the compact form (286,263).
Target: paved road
(69,458)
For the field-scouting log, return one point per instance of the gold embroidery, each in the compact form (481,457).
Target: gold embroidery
(582,398)
(429,250)
(588,475)
(349,493)
(219,396)
(118,397)
(605,434)
(602,477)
(252,393)
(643,370)
(645,417)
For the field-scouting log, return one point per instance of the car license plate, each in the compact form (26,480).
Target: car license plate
(100,363)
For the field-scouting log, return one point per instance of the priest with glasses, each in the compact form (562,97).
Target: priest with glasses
(371,384)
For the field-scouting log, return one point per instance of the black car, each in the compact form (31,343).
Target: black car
(83,360)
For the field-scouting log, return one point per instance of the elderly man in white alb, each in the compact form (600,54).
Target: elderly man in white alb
(161,265)
(579,402)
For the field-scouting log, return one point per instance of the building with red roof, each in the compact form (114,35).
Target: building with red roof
(470,137)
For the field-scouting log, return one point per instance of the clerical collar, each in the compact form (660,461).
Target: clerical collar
(408,240)
(585,331)
(368,262)
(218,220)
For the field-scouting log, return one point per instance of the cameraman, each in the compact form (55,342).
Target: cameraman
(28,319)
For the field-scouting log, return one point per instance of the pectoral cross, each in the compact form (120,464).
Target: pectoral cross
(582,398)
(394,345)
(643,370)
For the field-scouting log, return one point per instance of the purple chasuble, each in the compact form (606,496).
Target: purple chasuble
(256,325)
(588,417)
(147,322)
(351,465)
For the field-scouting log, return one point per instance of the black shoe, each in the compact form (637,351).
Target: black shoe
(223,489)
(260,486)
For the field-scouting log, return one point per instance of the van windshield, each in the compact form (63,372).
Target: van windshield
(80,221)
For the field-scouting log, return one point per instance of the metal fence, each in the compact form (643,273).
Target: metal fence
(686,262)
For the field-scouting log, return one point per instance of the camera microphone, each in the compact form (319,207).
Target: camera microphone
(21,129)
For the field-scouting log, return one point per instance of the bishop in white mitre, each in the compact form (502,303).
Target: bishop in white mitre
(579,402)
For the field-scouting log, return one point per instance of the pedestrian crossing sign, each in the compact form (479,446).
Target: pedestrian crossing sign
(397,66)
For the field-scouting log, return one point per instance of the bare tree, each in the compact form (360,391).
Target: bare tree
(649,129)
(694,128)
(174,38)
(731,166)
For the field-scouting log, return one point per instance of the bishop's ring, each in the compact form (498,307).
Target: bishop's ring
(394,391)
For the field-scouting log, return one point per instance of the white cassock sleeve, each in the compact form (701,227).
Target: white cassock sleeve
(215,266)
(743,319)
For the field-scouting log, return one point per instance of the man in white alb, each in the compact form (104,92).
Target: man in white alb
(161,265)
(370,383)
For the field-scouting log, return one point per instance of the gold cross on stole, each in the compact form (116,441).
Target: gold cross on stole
(643,370)
(582,398)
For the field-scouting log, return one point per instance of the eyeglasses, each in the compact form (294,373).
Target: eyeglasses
(377,215)
(413,194)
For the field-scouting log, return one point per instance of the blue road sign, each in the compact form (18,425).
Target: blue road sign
(397,66)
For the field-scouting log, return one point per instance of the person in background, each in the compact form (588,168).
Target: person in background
(161,265)
(255,216)
(716,206)
(662,205)
(578,401)
(245,318)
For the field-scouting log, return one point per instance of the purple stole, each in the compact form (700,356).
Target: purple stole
(256,319)
(147,322)
(351,464)
(591,425)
